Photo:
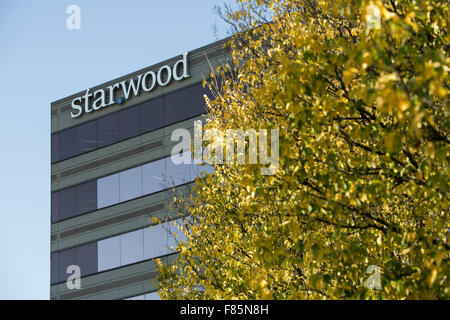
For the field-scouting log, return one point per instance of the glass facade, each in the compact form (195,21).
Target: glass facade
(131,122)
(123,186)
(117,251)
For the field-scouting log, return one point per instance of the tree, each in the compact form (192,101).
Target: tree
(360,93)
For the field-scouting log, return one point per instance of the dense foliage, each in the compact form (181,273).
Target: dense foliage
(360,93)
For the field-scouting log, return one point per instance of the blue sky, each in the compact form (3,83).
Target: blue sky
(42,61)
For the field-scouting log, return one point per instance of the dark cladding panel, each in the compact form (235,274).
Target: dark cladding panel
(55,207)
(107,130)
(175,107)
(86,197)
(86,137)
(55,147)
(66,258)
(196,102)
(67,203)
(66,144)
(130,123)
(152,115)
(54,265)
(87,258)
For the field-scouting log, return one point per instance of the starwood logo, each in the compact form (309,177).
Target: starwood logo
(147,82)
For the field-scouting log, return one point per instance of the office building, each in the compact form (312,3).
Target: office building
(111,173)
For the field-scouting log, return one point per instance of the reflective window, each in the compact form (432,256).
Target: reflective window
(155,239)
(152,296)
(138,245)
(177,174)
(55,207)
(108,191)
(141,297)
(153,176)
(160,239)
(108,253)
(147,296)
(197,170)
(123,186)
(130,184)
(132,247)
(117,251)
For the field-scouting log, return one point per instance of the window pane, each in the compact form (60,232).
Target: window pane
(131,184)
(107,130)
(129,123)
(66,144)
(175,229)
(107,191)
(66,203)
(152,115)
(66,258)
(153,176)
(108,253)
(55,207)
(132,247)
(152,296)
(196,170)
(54,262)
(175,107)
(177,174)
(155,241)
(141,297)
(86,137)
(196,102)
(86,195)
(87,258)
(55,148)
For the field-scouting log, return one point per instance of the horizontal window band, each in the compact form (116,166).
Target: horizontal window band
(114,253)
(110,285)
(126,185)
(54,237)
(134,199)
(148,116)
(112,158)
(110,221)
